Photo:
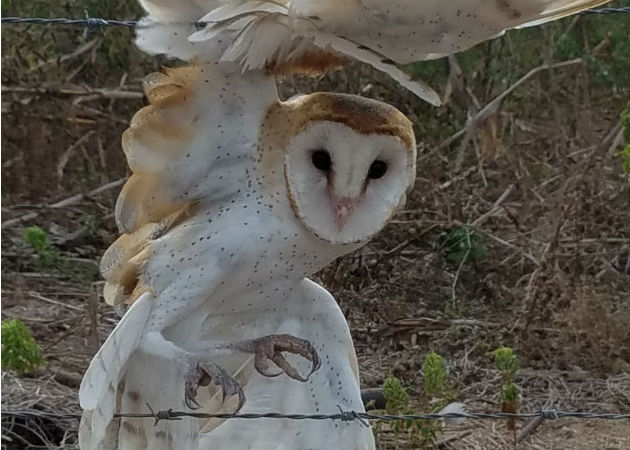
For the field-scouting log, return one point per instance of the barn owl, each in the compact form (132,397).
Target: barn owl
(286,36)
(235,199)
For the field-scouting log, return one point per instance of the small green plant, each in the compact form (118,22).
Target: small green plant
(507,363)
(48,257)
(422,433)
(396,402)
(396,396)
(435,375)
(20,352)
(461,245)
(435,388)
(38,240)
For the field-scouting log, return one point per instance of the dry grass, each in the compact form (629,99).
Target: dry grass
(537,180)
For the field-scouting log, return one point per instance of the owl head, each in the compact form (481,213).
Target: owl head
(348,162)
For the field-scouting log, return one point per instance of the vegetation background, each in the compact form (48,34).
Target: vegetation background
(515,236)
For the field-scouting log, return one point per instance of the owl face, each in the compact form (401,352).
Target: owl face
(344,184)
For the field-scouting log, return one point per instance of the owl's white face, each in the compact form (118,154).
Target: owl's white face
(345,185)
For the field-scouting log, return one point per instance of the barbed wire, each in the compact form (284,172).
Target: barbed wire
(95,22)
(88,22)
(622,10)
(343,415)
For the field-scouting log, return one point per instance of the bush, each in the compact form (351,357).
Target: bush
(20,352)
(38,240)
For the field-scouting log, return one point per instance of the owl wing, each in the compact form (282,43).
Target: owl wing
(193,144)
(313,35)
(411,30)
(189,149)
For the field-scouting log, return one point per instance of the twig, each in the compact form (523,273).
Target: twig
(507,244)
(65,157)
(492,107)
(456,437)
(63,58)
(465,174)
(38,296)
(96,92)
(494,208)
(63,203)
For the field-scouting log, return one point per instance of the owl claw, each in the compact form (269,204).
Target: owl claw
(270,348)
(204,373)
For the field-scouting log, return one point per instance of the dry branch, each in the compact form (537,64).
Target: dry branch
(492,107)
(65,202)
(65,156)
(93,44)
(76,91)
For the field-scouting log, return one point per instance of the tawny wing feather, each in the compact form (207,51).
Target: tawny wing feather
(164,146)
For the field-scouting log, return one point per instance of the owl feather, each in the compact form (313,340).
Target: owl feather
(281,36)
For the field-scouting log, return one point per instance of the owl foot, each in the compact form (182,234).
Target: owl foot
(204,373)
(270,348)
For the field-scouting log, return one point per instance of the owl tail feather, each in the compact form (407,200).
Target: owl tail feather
(100,384)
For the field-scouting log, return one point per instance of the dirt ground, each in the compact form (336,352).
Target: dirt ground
(538,186)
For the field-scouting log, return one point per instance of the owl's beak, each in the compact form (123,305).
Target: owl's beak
(343,208)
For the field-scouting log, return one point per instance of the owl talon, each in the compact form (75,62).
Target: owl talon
(205,373)
(270,348)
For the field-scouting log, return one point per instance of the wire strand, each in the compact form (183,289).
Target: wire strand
(549,414)
(94,22)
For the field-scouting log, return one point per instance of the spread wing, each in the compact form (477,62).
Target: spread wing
(190,151)
(284,35)
(188,148)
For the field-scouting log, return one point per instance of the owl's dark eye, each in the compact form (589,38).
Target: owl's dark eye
(321,160)
(377,169)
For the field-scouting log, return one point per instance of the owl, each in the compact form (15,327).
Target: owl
(236,198)
(310,36)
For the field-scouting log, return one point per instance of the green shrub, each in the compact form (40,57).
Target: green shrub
(422,433)
(435,375)
(396,396)
(20,352)
(38,240)
(507,363)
